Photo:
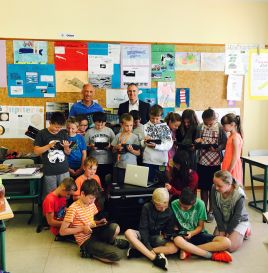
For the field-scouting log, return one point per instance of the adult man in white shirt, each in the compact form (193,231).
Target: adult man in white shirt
(134,104)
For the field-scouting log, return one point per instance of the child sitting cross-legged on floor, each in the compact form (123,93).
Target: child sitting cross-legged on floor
(192,238)
(96,238)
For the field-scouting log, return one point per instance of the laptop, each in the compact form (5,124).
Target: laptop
(138,176)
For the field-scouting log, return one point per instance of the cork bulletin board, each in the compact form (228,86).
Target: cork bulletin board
(207,89)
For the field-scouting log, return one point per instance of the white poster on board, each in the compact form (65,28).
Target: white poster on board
(14,120)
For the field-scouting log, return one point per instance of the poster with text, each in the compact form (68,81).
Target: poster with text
(14,120)
(70,56)
(258,74)
(30,52)
(163,62)
(104,65)
(136,65)
(31,81)
(3,64)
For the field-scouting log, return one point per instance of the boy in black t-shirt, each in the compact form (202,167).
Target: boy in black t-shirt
(51,143)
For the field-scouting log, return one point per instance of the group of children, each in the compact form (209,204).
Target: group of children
(189,155)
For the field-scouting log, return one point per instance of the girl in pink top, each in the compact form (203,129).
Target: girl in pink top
(231,161)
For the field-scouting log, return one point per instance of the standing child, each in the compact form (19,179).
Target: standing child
(231,161)
(173,121)
(212,140)
(123,145)
(53,146)
(157,142)
(186,135)
(78,148)
(96,238)
(99,139)
(137,126)
(138,129)
(82,124)
(228,202)
(90,168)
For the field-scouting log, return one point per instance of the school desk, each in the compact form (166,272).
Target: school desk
(33,194)
(261,162)
(7,214)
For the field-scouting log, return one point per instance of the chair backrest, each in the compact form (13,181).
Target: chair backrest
(258,153)
(19,162)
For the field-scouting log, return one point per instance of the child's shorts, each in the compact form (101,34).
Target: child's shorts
(201,238)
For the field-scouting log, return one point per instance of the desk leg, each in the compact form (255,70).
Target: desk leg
(2,246)
(265,189)
(244,171)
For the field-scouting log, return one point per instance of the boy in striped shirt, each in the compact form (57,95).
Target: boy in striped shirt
(96,238)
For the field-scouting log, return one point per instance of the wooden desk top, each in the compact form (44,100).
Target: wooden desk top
(11,176)
(7,214)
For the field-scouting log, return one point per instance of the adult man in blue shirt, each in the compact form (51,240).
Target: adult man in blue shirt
(86,105)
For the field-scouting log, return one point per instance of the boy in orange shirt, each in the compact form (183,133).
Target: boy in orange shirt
(90,168)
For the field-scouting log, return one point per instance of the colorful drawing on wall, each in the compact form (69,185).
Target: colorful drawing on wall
(14,120)
(188,61)
(70,56)
(166,94)
(115,96)
(30,52)
(70,81)
(104,65)
(3,64)
(136,65)
(182,97)
(31,81)
(212,61)
(148,95)
(163,62)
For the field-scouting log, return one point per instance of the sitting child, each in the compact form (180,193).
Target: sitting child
(54,206)
(228,204)
(192,238)
(156,220)
(180,175)
(96,238)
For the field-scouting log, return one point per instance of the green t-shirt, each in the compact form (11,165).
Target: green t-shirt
(188,220)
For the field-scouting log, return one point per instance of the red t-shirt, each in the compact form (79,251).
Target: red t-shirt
(53,203)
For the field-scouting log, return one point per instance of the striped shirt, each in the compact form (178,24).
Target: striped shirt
(78,214)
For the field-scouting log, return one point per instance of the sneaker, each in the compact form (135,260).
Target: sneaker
(210,217)
(133,253)
(184,255)
(222,256)
(247,234)
(121,243)
(161,261)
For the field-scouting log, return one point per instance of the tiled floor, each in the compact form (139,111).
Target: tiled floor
(31,252)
